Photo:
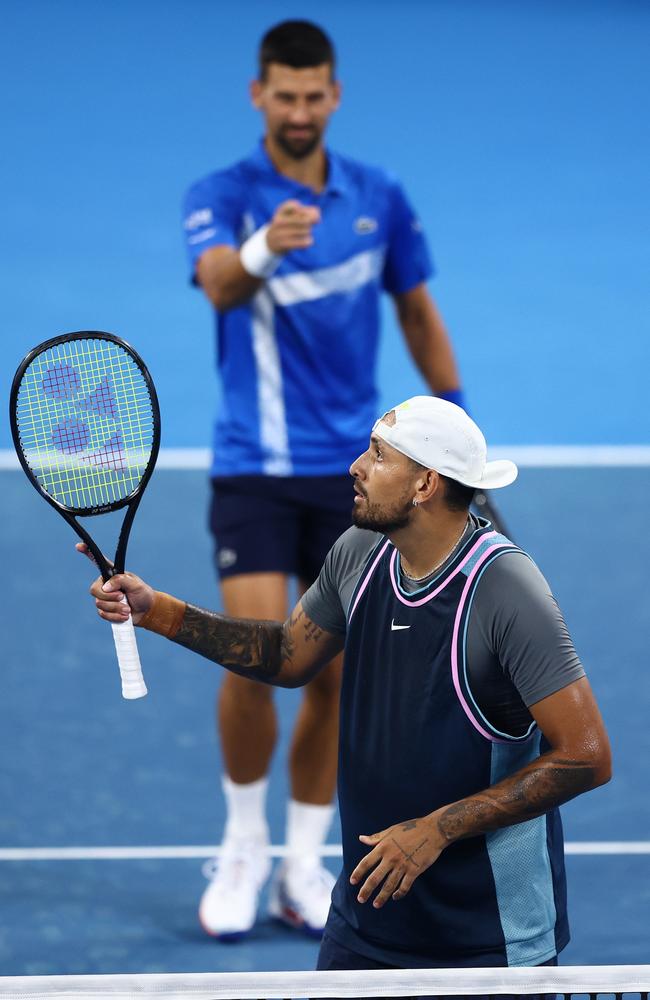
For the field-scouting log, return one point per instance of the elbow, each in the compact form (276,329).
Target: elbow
(219,299)
(601,764)
(603,769)
(218,293)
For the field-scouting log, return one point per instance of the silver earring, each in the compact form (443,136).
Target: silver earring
(415,503)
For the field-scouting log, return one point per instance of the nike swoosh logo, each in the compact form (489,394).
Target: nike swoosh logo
(396,628)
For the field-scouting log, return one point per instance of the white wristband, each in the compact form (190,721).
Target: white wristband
(255,256)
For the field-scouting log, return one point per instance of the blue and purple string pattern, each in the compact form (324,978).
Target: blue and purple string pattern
(85,422)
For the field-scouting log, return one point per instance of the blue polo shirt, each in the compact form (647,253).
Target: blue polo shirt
(298,360)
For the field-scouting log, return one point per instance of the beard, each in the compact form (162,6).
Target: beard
(298,149)
(375,517)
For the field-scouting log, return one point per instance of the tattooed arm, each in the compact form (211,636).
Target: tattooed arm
(579,759)
(286,655)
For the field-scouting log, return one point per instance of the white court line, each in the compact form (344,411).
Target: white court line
(533,456)
(611,847)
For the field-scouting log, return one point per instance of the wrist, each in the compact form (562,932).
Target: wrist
(165,616)
(256,256)
(444,826)
(456,396)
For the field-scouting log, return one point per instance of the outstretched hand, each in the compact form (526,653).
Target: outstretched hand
(399,855)
(123,595)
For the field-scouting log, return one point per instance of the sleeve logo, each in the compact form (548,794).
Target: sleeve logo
(202,217)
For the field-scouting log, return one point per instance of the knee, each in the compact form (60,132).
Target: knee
(243,694)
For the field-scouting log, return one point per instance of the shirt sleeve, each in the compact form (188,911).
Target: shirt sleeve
(408,262)
(212,216)
(520,620)
(327,600)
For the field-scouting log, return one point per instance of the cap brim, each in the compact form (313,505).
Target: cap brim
(496,474)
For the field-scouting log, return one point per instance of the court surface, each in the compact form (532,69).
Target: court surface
(84,769)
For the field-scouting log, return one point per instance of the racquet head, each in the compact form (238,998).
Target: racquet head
(86,423)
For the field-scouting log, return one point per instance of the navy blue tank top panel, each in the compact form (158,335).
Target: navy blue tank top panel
(411,741)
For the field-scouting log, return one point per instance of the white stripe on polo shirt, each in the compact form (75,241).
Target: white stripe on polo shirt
(274,434)
(305,286)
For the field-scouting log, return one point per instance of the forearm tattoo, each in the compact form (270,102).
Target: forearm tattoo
(546,783)
(254,649)
(260,650)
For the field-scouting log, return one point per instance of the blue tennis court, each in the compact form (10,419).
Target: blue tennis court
(84,769)
(520,130)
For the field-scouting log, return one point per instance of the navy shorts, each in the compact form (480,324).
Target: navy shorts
(273,524)
(336,957)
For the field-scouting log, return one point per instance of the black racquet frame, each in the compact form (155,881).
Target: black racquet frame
(132,501)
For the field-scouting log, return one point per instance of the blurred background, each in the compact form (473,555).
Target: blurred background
(519,130)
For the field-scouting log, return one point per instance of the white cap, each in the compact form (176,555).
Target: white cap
(440,436)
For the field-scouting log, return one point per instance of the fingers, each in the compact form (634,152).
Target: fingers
(388,889)
(365,865)
(396,883)
(294,210)
(407,882)
(372,838)
(110,598)
(85,551)
(291,227)
(374,881)
(389,868)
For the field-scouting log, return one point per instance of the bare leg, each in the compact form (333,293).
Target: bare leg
(314,748)
(246,707)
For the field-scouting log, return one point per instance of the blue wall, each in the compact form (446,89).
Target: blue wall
(519,129)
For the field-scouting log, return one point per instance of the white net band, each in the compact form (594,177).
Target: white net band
(577,981)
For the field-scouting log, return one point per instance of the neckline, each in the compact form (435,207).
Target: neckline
(477,528)
(335,182)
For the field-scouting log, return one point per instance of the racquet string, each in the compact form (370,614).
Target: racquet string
(85,422)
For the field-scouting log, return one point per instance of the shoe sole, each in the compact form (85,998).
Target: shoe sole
(291,919)
(228,937)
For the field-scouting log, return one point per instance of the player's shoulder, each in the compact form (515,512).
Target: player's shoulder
(513,578)
(363,175)
(231,179)
(352,549)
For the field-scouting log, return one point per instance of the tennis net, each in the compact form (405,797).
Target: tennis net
(606,981)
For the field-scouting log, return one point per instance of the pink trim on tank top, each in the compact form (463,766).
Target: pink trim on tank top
(454,646)
(367,579)
(434,593)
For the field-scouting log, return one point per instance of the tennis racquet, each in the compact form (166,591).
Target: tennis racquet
(86,427)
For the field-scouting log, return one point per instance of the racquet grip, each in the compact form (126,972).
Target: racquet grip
(128,658)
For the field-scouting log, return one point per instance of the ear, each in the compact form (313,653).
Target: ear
(255,91)
(428,485)
(337,92)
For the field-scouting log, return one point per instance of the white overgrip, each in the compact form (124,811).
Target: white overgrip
(128,658)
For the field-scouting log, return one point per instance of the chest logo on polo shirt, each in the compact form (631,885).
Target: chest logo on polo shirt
(364,225)
(397,628)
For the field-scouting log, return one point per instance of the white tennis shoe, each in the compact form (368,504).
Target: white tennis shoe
(300,895)
(228,907)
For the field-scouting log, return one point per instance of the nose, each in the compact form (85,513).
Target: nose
(356,469)
(300,114)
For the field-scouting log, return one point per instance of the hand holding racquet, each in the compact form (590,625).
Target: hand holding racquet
(86,427)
